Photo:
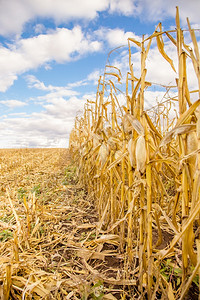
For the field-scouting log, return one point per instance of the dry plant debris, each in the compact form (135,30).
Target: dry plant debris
(49,244)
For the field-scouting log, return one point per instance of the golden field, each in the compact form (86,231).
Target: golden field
(117,215)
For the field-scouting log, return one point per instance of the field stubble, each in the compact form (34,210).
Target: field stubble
(49,245)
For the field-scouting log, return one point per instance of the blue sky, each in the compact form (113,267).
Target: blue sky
(52,53)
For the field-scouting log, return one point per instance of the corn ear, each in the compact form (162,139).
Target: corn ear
(140,153)
(103,154)
(131,151)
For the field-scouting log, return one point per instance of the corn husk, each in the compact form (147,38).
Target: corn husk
(131,151)
(140,153)
(192,145)
(103,154)
(118,154)
(198,126)
(96,140)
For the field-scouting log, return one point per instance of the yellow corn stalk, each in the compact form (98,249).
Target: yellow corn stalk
(143,165)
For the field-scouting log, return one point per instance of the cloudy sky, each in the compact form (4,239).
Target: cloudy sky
(52,53)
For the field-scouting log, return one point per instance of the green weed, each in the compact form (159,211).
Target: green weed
(6,235)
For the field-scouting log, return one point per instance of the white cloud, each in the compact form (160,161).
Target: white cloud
(125,7)
(61,45)
(77,83)
(15,13)
(94,76)
(20,11)
(64,109)
(115,37)
(39,28)
(60,91)
(49,128)
(24,114)
(33,82)
(6,80)
(13,103)
(156,10)
(55,91)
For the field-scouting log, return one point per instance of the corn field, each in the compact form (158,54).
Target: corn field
(142,167)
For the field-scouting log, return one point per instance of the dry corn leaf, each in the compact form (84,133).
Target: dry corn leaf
(137,126)
(186,115)
(70,295)
(112,142)
(114,74)
(98,124)
(96,140)
(192,142)
(198,126)
(170,293)
(151,125)
(135,42)
(117,161)
(126,124)
(177,237)
(1,292)
(194,40)
(108,238)
(19,229)
(160,45)
(109,297)
(171,38)
(171,225)
(181,129)
(116,68)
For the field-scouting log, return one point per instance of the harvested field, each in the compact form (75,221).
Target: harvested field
(48,243)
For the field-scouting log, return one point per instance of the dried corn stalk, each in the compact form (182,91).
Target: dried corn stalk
(160,169)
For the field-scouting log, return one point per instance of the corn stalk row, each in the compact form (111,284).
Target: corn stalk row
(143,168)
